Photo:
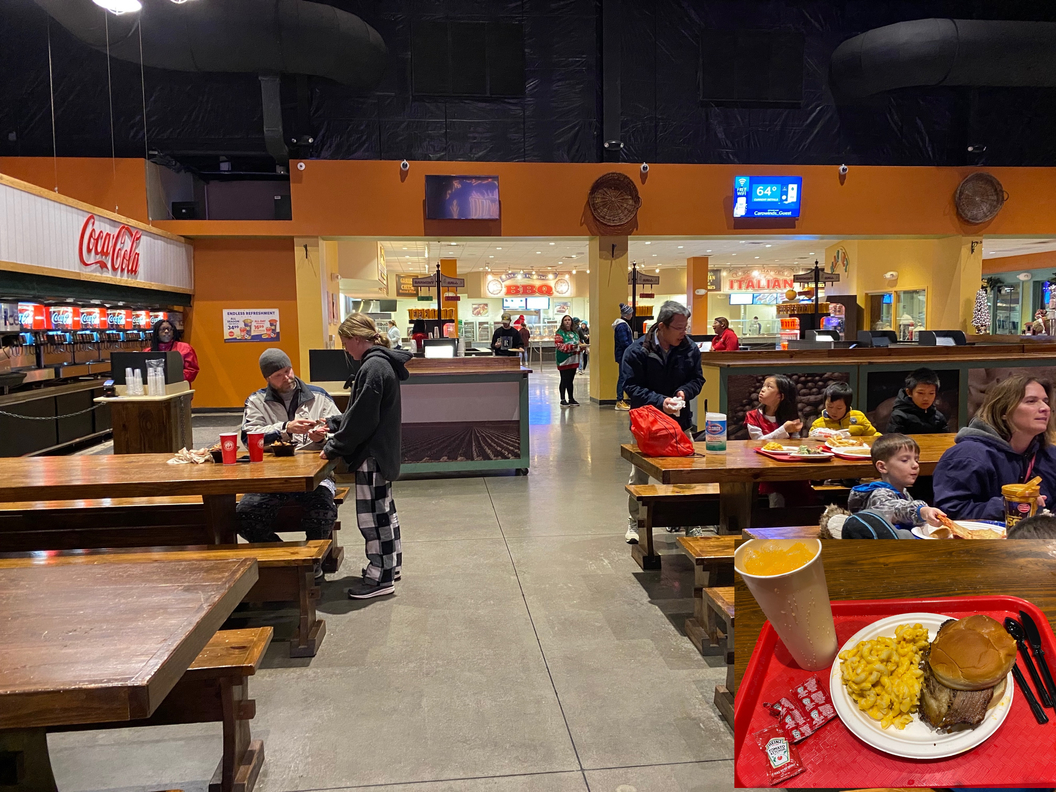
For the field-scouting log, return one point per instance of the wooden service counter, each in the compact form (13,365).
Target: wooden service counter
(151,424)
(41,431)
(733,379)
(461,415)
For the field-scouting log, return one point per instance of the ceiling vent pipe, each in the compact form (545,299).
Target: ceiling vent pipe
(946,52)
(246,36)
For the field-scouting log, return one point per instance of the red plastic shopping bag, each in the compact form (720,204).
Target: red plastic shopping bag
(658,434)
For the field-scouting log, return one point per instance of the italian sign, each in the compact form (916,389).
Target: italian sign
(251,324)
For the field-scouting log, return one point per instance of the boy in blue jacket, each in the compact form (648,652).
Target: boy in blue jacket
(897,460)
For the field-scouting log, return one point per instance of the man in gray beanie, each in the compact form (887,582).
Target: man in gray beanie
(290,410)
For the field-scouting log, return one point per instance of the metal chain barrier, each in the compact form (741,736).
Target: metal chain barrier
(50,417)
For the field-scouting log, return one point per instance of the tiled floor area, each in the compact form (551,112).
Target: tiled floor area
(523,651)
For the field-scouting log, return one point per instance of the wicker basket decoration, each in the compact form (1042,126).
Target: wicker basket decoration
(979,198)
(614,200)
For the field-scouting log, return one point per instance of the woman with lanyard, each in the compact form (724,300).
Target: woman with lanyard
(1010,441)
(163,339)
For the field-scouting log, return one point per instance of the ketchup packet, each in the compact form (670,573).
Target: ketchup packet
(804,710)
(782,757)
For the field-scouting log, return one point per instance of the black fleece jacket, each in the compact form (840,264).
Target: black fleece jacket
(370,427)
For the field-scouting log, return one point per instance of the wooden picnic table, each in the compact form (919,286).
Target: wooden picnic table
(789,532)
(862,569)
(150,475)
(739,471)
(90,644)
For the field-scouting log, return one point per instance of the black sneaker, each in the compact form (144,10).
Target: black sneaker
(365,589)
(573,403)
(363,573)
(564,403)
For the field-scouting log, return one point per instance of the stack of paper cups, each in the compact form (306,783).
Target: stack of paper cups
(715,433)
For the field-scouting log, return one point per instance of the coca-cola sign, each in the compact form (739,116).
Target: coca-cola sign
(115,252)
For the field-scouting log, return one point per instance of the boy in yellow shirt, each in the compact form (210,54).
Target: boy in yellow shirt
(839,415)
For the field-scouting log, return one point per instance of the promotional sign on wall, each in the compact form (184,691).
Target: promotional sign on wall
(65,317)
(480,309)
(383,272)
(405,286)
(141,320)
(249,324)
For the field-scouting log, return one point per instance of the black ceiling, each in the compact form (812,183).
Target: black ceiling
(197,118)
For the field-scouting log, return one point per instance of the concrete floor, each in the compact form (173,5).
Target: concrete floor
(524,650)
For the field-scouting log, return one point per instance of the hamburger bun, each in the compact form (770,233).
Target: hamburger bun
(972,654)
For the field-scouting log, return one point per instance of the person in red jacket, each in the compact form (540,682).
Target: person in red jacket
(163,339)
(725,339)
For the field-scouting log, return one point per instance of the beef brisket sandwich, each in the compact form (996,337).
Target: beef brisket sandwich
(965,671)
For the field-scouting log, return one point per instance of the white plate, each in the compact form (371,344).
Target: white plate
(969,524)
(811,457)
(918,740)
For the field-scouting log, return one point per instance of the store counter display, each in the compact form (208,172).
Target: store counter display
(733,380)
(459,414)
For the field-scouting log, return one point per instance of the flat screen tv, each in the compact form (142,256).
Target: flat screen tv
(538,303)
(462,197)
(767,196)
(741,299)
(514,303)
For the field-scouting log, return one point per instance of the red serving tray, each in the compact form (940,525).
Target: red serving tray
(780,456)
(1020,753)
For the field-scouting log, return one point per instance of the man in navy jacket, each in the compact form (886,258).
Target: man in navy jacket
(658,369)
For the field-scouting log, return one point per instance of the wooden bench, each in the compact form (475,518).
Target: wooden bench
(712,567)
(172,521)
(670,505)
(786,532)
(215,689)
(720,628)
(286,574)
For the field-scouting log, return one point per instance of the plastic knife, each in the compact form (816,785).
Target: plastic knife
(1034,639)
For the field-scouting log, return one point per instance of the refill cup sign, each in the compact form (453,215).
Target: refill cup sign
(788,582)
(255,440)
(229,447)
(715,433)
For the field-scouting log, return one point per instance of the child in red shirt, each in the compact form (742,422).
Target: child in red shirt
(778,419)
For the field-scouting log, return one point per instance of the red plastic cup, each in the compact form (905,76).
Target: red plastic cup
(256,446)
(229,447)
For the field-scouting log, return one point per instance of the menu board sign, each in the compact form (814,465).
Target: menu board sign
(31,316)
(157,316)
(141,320)
(260,324)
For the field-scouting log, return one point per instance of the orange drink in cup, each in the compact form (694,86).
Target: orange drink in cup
(787,579)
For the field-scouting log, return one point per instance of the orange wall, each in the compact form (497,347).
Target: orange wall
(239,273)
(88,179)
(369,198)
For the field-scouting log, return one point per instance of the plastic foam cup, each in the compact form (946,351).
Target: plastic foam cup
(796,603)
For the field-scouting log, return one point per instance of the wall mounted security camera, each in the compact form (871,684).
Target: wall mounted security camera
(645,167)
(843,170)
(891,275)
(405,166)
(300,166)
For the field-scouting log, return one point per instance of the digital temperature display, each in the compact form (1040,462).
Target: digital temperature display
(767,196)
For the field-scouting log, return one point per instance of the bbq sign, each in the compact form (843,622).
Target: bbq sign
(113,252)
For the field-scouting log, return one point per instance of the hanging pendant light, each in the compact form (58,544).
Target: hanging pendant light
(119,7)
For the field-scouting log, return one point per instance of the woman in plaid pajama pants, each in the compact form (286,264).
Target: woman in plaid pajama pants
(368,438)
